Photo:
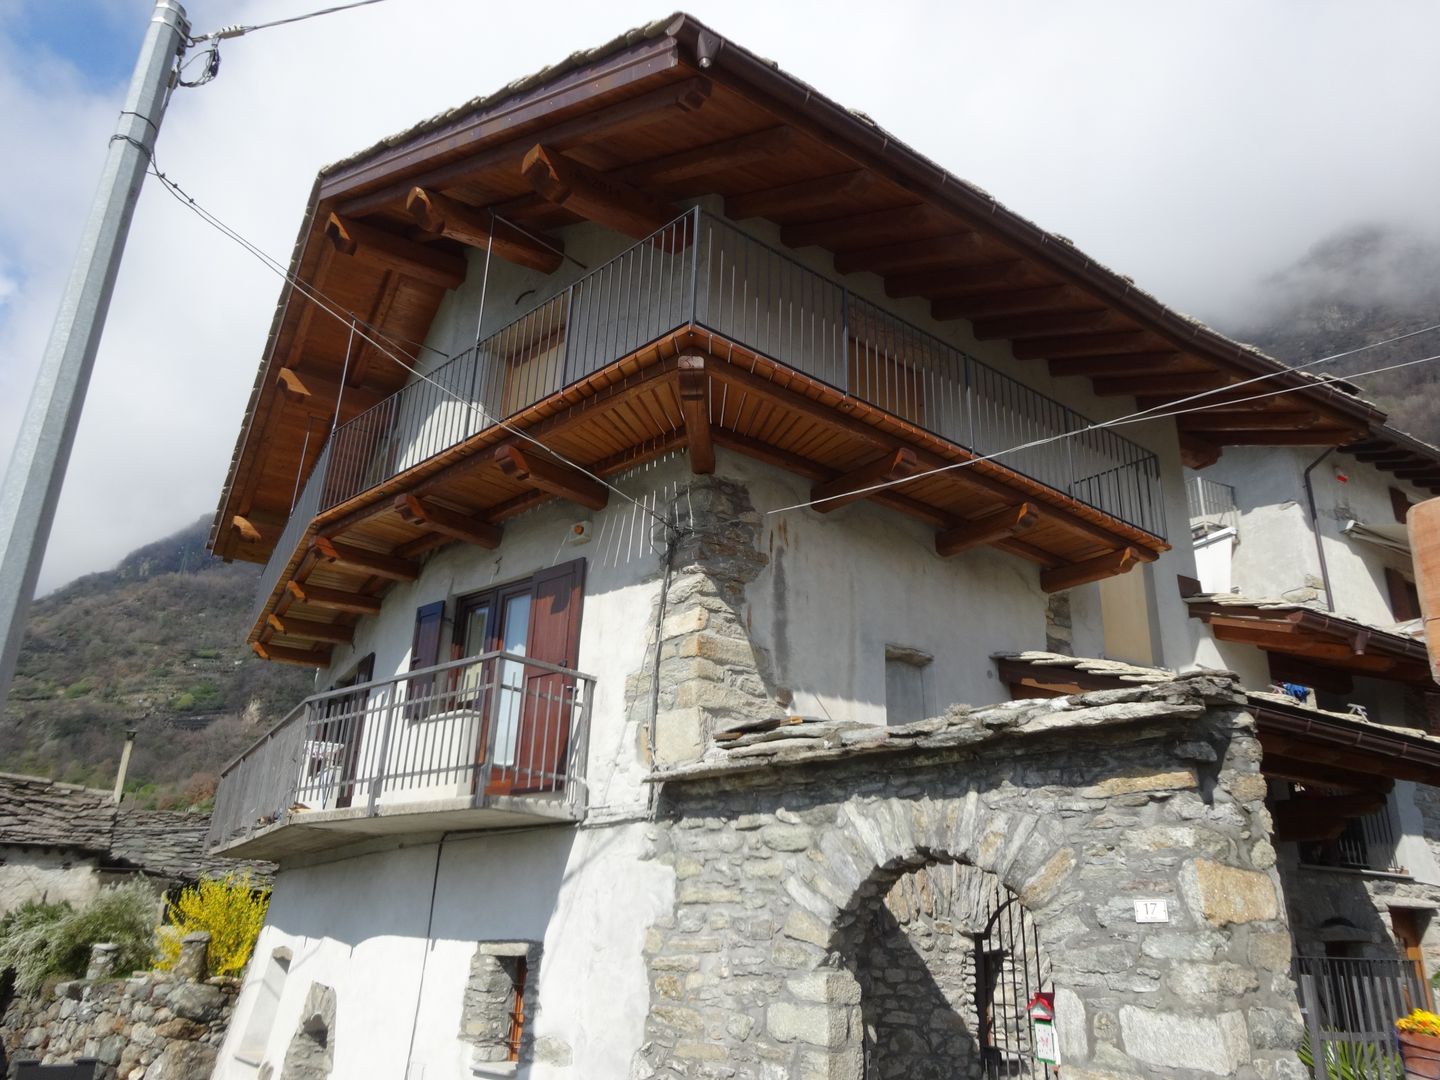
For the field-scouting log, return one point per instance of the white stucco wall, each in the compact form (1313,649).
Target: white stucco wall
(393,931)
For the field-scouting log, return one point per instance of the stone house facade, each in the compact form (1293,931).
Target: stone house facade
(655,603)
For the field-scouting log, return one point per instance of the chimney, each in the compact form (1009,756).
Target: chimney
(124,766)
(1423,521)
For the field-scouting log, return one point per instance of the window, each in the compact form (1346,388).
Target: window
(905,696)
(1404,597)
(499,1002)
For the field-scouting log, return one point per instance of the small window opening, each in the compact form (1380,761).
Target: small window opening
(906,695)
(518,968)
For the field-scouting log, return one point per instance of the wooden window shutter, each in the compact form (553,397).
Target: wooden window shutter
(1404,598)
(425,652)
(1400,504)
(543,746)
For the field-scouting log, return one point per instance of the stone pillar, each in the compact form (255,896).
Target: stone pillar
(192,964)
(711,675)
(103,958)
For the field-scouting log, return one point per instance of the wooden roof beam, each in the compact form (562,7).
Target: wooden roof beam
(333,599)
(331,633)
(1297,770)
(1246,421)
(1321,818)
(862,230)
(1128,386)
(806,196)
(957,284)
(707,160)
(252,531)
(934,251)
(1044,324)
(1148,363)
(312,658)
(473,227)
(694,387)
(1259,436)
(1197,453)
(319,396)
(580,189)
(391,252)
(1001,525)
(994,305)
(1082,573)
(449,523)
(1047,348)
(844,490)
(363,560)
(564,481)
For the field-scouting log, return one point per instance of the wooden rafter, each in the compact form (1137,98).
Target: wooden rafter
(385,249)
(1001,525)
(934,251)
(694,385)
(808,196)
(1195,383)
(1147,363)
(958,285)
(1313,436)
(593,196)
(312,658)
(334,599)
(1215,420)
(470,225)
(861,230)
(1297,770)
(1047,348)
(318,396)
(703,161)
(1082,573)
(555,477)
(1045,324)
(843,490)
(350,557)
(448,523)
(332,633)
(1321,818)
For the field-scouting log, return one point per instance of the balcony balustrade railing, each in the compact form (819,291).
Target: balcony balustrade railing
(701,271)
(483,731)
(1209,499)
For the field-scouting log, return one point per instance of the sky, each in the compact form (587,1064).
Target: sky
(1197,148)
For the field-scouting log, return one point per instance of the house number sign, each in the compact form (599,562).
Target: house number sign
(1152,911)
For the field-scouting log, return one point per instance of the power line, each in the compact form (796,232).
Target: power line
(331,308)
(238,31)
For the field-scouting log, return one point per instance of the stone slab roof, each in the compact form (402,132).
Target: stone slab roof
(1412,630)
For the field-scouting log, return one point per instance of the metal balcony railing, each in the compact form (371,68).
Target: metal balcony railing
(1209,499)
(479,730)
(701,271)
(1350,1005)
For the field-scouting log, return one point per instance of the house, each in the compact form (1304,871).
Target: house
(651,459)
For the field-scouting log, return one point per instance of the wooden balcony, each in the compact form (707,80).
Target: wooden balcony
(490,741)
(701,337)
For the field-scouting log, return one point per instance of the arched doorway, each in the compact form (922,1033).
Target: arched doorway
(947,960)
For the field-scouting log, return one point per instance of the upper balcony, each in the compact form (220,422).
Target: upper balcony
(702,336)
(489,741)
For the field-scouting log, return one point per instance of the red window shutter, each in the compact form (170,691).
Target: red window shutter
(542,750)
(425,652)
(1404,598)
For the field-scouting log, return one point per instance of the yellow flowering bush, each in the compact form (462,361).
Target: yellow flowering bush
(1419,1022)
(231,908)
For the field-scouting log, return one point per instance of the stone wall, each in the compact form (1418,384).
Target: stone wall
(155,1026)
(784,837)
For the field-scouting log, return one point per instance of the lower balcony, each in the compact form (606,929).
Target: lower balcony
(490,741)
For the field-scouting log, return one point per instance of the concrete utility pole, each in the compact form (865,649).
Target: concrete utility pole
(47,432)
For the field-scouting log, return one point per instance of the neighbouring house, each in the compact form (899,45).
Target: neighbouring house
(653,464)
(64,843)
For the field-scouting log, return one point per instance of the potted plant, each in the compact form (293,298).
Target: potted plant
(1420,1044)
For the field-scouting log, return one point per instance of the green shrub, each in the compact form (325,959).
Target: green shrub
(40,941)
(231,908)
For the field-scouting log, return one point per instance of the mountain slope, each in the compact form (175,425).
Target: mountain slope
(156,644)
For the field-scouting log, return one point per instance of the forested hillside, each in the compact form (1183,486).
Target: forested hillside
(157,644)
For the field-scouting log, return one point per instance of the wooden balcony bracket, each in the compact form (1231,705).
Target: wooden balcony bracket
(844,490)
(438,519)
(564,481)
(391,252)
(477,228)
(1001,525)
(695,410)
(317,396)
(1082,573)
(363,560)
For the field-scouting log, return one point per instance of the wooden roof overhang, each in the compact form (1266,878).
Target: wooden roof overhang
(671,112)
(1403,456)
(691,391)
(1347,763)
(1316,646)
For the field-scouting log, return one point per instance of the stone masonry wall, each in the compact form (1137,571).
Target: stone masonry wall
(155,1026)
(783,836)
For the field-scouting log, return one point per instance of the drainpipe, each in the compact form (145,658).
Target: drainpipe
(1315,528)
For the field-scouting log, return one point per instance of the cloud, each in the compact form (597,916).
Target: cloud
(1195,148)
